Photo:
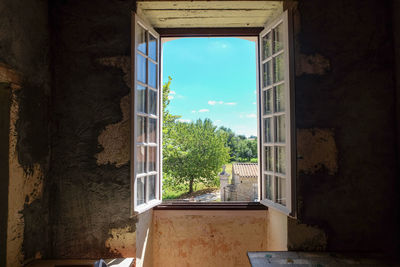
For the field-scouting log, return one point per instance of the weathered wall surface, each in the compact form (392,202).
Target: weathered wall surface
(5,95)
(345,119)
(24,64)
(90,175)
(207,238)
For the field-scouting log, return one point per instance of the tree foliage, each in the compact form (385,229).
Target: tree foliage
(195,152)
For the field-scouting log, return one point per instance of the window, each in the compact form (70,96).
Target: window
(275,108)
(276,116)
(145,144)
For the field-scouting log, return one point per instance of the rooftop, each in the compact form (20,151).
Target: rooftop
(245,169)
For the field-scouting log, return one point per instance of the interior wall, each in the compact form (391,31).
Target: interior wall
(207,238)
(345,119)
(24,64)
(5,92)
(90,173)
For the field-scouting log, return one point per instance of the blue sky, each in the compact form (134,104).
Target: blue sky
(213,78)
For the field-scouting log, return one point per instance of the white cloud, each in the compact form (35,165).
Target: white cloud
(213,102)
(204,110)
(170,97)
(218,121)
(255,92)
(251,115)
(254,103)
(193,111)
(172,92)
(231,103)
(184,120)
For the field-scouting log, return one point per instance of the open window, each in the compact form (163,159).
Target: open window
(275,117)
(145,123)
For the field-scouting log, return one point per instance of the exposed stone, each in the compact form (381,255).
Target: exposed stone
(311,64)
(302,237)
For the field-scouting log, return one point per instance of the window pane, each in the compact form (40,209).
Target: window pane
(280,98)
(267,45)
(267,96)
(280,159)
(152,102)
(268,186)
(280,190)
(141,102)
(152,158)
(268,158)
(267,130)
(152,130)
(152,47)
(278,68)
(141,37)
(278,38)
(280,129)
(141,129)
(140,184)
(152,74)
(141,68)
(152,187)
(267,74)
(141,159)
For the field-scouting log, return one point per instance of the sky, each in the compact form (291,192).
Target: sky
(213,78)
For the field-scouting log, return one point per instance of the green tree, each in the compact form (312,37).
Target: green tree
(195,152)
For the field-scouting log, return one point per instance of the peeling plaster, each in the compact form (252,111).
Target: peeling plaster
(302,237)
(208,238)
(316,148)
(115,139)
(121,241)
(312,64)
(115,136)
(24,188)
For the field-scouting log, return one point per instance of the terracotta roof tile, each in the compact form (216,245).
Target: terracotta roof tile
(245,169)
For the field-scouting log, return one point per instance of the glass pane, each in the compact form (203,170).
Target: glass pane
(268,158)
(152,47)
(152,187)
(152,158)
(279,72)
(280,190)
(141,37)
(280,159)
(141,129)
(152,130)
(267,96)
(267,130)
(140,189)
(152,74)
(152,102)
(280,98)
(268,187)
(267,74)
(141,159)
(278,38)
(141,68)
(141,102)
(280,133)
(267,45)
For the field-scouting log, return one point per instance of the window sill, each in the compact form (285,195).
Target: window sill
(211,206)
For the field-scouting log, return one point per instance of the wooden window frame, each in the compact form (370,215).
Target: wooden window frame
(222,32)
(290,136)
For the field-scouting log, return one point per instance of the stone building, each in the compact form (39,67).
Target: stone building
(244,183)
(65,128)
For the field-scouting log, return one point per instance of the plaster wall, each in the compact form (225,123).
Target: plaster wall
(345,120)
(24,65)
(208,238)
(90,168)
